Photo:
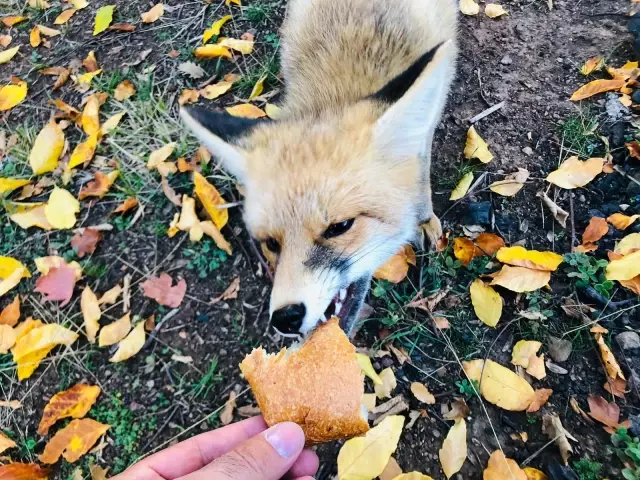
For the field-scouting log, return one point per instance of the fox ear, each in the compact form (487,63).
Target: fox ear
(417,96)
(215,130)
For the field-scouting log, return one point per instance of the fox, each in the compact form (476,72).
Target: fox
(340,181)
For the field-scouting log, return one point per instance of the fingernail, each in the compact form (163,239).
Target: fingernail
(286,438)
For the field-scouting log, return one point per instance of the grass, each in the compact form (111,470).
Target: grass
(580,133)
(587,469)
(271,69)
(204,257)
(203,387)
(258,12)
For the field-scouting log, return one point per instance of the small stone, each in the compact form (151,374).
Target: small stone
(150,384)
(559,349)
(478,213)
(628,340)
(582,199)
(506,60)
(527,151)
(636,96)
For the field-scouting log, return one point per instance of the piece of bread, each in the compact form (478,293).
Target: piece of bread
(319,385)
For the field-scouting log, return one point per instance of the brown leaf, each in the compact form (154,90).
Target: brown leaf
(464,250)
(606,413)
(90,63)
(57,284)
(86,241)
(125,206)
(502,468)
(11,313)
(230,293)
(616,386)
(170,193)
(441,323)
(6,443)
(122,27)
(621,221)
(575,406)
(558,213)
(429,303)
(597,86)
(124,90)
(634,149)
(150,323)
(98,473)
(226,416)
(62,74)
(596,229)
(160,289)
(74,402)
(73,441)
(552,428)
(542,397)
(459,409)
(23,471)
(488,244)
(188,96)
(100,186)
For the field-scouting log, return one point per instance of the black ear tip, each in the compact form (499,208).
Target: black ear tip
(221,124)
(199,114)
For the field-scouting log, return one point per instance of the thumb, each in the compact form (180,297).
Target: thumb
(267,456)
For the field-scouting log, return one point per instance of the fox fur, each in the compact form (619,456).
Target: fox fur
(353,142)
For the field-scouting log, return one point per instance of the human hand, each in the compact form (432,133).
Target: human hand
(246,450)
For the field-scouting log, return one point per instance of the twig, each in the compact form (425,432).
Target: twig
(537,452)
(155,331)
(487,112)
(159,431)
(573,223)
(624,174)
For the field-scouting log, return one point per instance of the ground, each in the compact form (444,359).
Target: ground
(529,59)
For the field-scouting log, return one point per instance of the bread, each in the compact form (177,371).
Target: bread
(319,386)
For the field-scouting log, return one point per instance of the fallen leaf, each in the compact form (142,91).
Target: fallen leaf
(68,110)
(208,228)
(230,293)
(464,250)
(104,17)
(214,31)
(33,346)
(73,441)
(157,159)
(534,474)
(396,268)
(441,323)
(99,473)
(499,385)
(257,88)
(34,37)
(11,95)
(11,20)
(90,119)
(273,111)
(597,86)
(5,40)
(84,81)
(245,47)
(523,350)
(476,147)
(621,221)
(131,345)
(625,268)
(488,244)
(90,63)
(459,409)
(160,290)
(8,338)
(512,183)
(100,186)
(453,453)
(86,241)
(558,213)
(45,264)
(365,365)
(170,193)
(575,173)
(115,332)
(83,153)
(212,51)
(211,92)
(124,207)
(462,187)
(502,468)
(211,200)
(401,354)
(65,16)
(245,110)
(7,185)
(366,457)
(592,65)
(5,444)
(122,27)
(521,257)
(611,364)
(552,428)
(391,471)
(191,69)
(154,14)
(111,296)
(628,244)
(226,416)
(541,398)
(74,402)
(388,384)
(8,54)
(487,303)
(188,96)
(521,279)
(606,413)
(11,272)
(469,7)
(422,393)
(90,313)
(596,229)
(25,327)
(61,209)
(23,471)
(536,367)
(46,149)
(124,90)
(11,313)
(57,285)
(111,123)
(493,10)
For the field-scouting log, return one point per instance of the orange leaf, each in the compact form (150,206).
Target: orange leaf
(100,186)
(210,199)
(90,63)
(502,468)
(396,268)
(597,86)
(616,387)
(124,90)
(591,65)
(11,313)
(621,221)
(586,248)
(542,397)
(57,284)
(127,205)
(596,229)
(610,363)
(12,20)
(160,289)
(22,471)
(122,27)
(488,244)
(188,96)
(606,413)
(74,402)
(464,250)
(245,110)
(85,242)
(634,149)
(6,443)
(73,441)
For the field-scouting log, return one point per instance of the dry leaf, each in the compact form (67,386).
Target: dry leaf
(502,468)
(8,185)
(74,402)
(469,7)
(154,14)
(212,51)
(8,338)
(124,90)
(245,47)
(596,229)
(90,119)
(462,187)
(7,55)
(211,200)
(230,293)
(274,112)
(160,289)
(122,27)
(621,221)
(5,444)
(169,192)
(499,385)
(597,86)
(111,296)
(575,173)
(523,350)
(459,409)
(454,449)
(65,16)
(188,96)
(98,473)
(464,250)
(11,20)
(211,92)
(388,384)
(521,257)
(592,65)
(365,365)
(520,279)
(86,241)
(396,268)
(541,398)
(488,244)
(111,123)
(5,40)
(611,364)
(245,110)
(214,31)
(11,272)
(487,303)
(257,88)
(23,471)
(391,471)
(422,393)
(90,313)
(73,441)
(46,149)
(476,147)
(536,367)
(100,186)
(192,69)
(226,416)
(83,153)
(552,428)
(606,413)
(90,63)
(625,268)
(104,17)
(157,159)
(61,209)
(11,313)
(58,284)
(128,204)
(558,213)
(366,457)
(130,345)
(493,10)
(115,332)
(512,184)
(33,346)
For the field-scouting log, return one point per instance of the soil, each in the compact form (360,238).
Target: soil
(529,59)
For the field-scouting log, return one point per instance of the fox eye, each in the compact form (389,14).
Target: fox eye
(337,229)
(272,245)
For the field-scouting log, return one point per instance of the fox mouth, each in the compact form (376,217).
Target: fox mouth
(346,304)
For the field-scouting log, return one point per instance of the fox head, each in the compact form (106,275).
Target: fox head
(331,196)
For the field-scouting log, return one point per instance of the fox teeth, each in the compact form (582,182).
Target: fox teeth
(338,308)
(343,293)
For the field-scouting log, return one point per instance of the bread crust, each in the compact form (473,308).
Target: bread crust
(319,386)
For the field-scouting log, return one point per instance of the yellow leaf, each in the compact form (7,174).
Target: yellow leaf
(534,474)
(625,268)
(520,279)
(130,345)
(476,147)
(31,348)
(12,20)
(502,468)
(9,265)
(85,79)
(9,184)
(46,149)
(157,157)
(211,92)
(388,384)
(463,186)
(621,221)
(212,51)
(65,16)
(454,449)
(61,209)
(369,401)
(575,173)
(25,327)
(74,402)
(124,90)
(90,313)
(413,476)
(243,46)
(257,88)
(34,217)
(523,350)
(34,37)
(112,123)
(628,244)
(104,17)
(487,303)
(11,280)
(245,110)
(229,2)
(44,264)
(90,119)
(115,332)
(396,268)
(208,228)
(73,441)
(215,28)
(592,65)
(493,10)
(500,386)
(512,184)
(11,95)
(83,152)
(39,4)
(536,367)
(469,7)
(79,4)
(6,443)
(154,14)
(8,54)
(274,112)
(610,363)
(521,257)
(111,295)
(597,86)
(422,393)
(8,338)
(47,31)
(364,458)
(365,365)
(188,95)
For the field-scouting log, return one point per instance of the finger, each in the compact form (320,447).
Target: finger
(194,453)
(304,478)
(306,465)
(267,456)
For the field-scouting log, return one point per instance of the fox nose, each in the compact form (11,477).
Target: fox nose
(288,319)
